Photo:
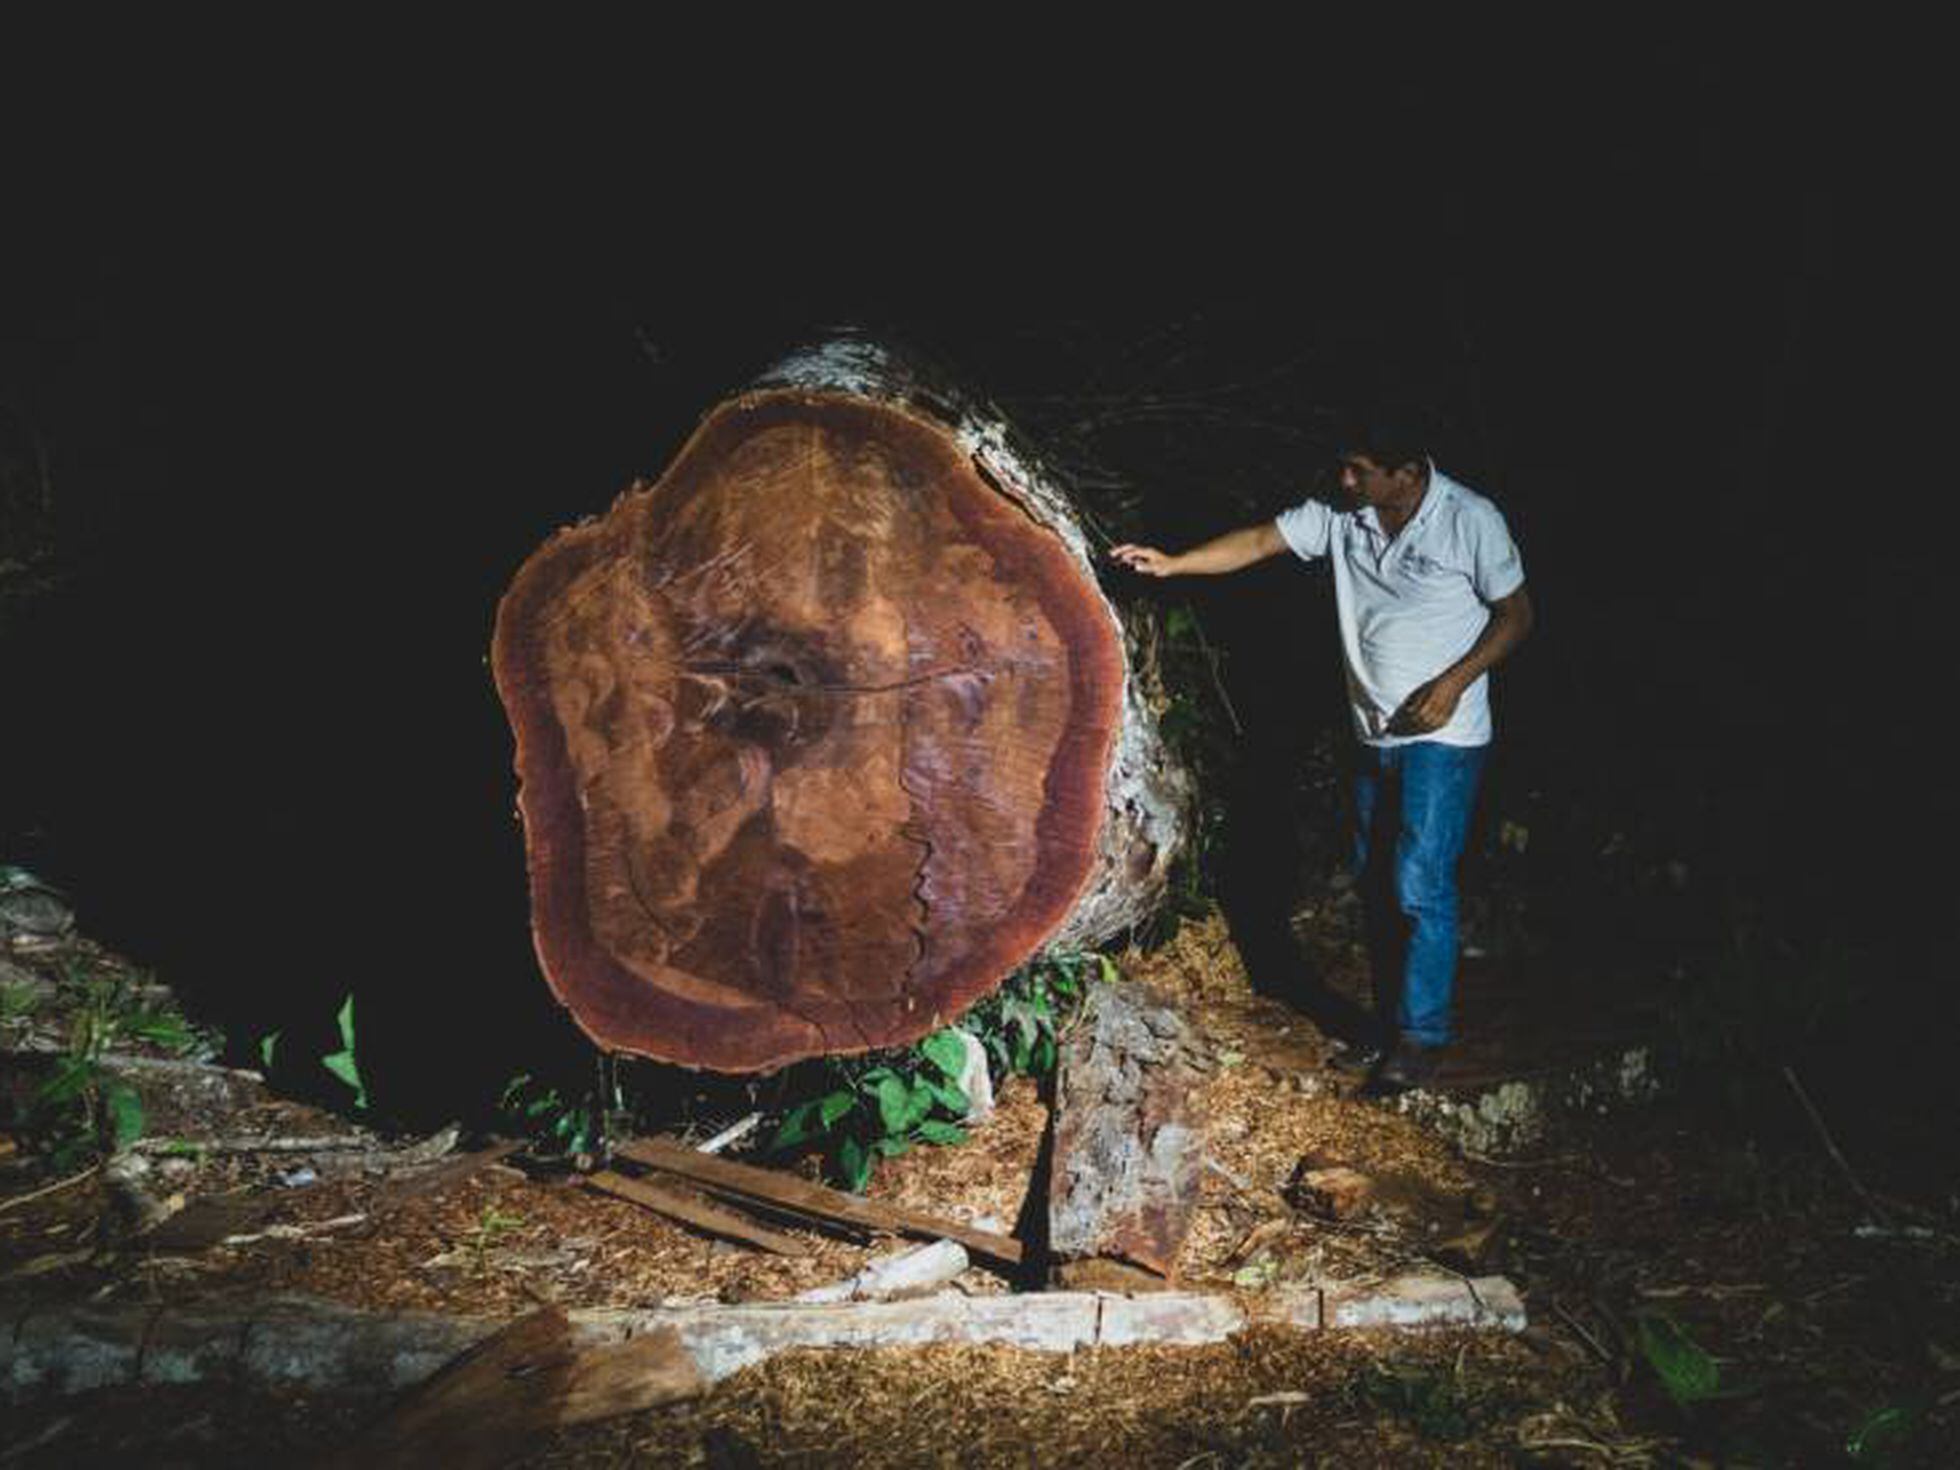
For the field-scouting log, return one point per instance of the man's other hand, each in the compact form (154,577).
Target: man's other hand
(1145,559)
(1428,707)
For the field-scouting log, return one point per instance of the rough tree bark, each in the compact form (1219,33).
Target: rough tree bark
(1129,1142)
(827,731)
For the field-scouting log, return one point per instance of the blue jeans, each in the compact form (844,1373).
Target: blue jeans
(1412,816)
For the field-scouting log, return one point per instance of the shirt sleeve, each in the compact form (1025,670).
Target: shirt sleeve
(1496,569)
(1306,528)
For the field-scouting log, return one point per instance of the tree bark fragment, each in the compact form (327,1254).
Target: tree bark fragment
(1128,1144)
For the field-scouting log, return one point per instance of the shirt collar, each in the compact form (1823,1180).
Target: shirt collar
(1439,485)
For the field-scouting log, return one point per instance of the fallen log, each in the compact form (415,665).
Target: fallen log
(823,734)
(1128,1144)
(297,1343)
(818,1202)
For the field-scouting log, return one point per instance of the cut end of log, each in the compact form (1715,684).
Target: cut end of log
(812,737)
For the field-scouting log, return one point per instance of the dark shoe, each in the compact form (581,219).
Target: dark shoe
(1356,1056)
(1408,1065)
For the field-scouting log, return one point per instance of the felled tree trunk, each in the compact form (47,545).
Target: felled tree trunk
(827,731)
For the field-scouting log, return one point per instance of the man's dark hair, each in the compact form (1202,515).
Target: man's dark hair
(1392,432)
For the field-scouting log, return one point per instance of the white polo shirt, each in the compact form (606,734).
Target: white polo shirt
(1411,606)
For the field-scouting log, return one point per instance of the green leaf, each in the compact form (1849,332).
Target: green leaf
(997,1051)
(1110,973)
(1044,1056)
(944,1051)
(269,1043)
(1685,1369)
(935,1131)
(71,1078)
(951,1096)
(891,1148)
(342,1065)
(1881,1435)
(918,1104)
(125,1113)
(894,1099)
(1021,1021)
(1023,1053)
(835,1104)
(795,1127)
(165,1030)
(854,1164)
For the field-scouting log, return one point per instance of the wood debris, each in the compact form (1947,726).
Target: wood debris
(696,1213)
(920,1268)
(498,1398)
(1129,1144)
(446,1174)
(749,1186)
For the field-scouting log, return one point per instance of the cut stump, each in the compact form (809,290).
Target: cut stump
(826,732)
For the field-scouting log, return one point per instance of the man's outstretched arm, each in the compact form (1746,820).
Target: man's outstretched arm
(1228,553)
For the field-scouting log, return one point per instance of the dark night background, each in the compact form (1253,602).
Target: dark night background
(300,440)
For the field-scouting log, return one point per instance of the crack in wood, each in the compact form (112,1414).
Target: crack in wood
(794,685)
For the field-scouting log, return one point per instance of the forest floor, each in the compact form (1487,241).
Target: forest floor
(1695,1293)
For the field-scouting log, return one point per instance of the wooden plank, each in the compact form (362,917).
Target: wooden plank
(696,1213)
(1129,1141)
(817,1201)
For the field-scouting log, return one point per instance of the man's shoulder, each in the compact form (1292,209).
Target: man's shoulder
(1465,504)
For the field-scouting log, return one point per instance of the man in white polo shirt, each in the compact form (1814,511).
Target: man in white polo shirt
(1429,593)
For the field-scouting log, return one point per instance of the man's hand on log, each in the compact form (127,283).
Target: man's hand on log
(1428,707)
(1145,559)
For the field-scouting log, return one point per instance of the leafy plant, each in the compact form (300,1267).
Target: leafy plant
(491,1226)
(343,1063)
(556,1123)
(879,1107)
(1686,1369)
(81,1106)
(1020,1024)
(1434,1404)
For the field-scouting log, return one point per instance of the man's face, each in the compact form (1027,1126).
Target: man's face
(1367,483)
